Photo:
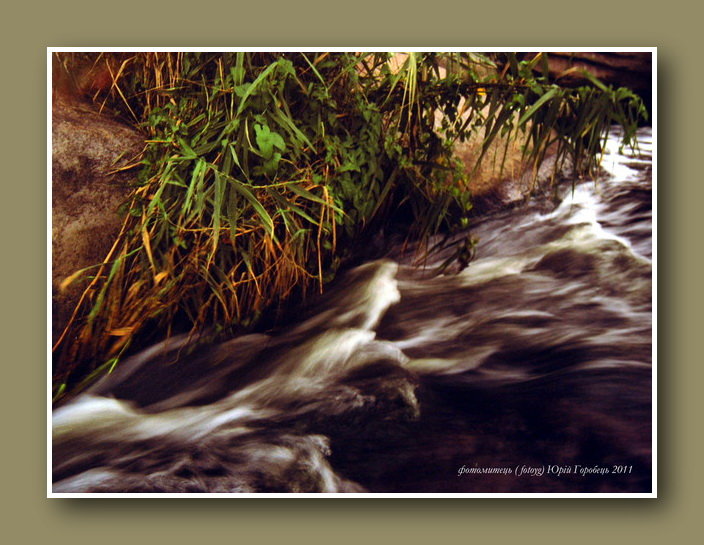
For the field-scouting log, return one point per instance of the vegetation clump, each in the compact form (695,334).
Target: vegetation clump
(261,169)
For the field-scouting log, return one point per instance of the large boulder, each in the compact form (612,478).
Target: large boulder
(91,156)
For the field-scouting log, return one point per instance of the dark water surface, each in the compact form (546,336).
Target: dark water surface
(528,371)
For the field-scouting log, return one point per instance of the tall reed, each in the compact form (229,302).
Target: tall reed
(261,169)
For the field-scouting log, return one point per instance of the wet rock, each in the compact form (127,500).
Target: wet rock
(623,69)
(632,69)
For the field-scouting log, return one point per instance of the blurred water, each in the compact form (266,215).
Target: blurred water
(536,355)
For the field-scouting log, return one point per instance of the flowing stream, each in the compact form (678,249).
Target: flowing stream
(530,370)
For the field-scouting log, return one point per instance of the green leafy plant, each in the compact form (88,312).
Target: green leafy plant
(262,169)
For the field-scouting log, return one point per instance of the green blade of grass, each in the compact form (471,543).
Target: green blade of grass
(243,190)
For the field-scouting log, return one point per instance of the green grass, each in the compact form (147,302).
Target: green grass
(261,169)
